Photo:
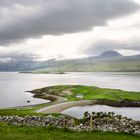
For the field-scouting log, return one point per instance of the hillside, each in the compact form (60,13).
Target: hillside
(110,61)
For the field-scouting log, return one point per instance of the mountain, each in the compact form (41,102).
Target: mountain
(110,61)
(110,54)
(17,65)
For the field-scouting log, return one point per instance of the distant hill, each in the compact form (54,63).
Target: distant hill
(110,54)
(110,61)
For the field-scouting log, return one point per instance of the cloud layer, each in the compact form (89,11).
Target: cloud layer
(23,19)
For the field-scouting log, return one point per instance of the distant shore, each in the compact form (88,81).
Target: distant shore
(42,72)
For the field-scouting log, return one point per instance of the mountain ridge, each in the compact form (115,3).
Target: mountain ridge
(107,61)
(110,53)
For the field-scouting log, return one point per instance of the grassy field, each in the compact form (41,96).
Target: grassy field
(25,111)
(8,132)
(89,93)
(104,93)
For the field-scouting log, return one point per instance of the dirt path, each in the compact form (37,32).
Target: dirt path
(57,108)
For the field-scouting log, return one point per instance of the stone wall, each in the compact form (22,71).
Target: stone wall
(94,121)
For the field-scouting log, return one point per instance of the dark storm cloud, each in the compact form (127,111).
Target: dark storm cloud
(23,19)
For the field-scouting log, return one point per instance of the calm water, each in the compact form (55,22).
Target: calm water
(13,85)
(129,112)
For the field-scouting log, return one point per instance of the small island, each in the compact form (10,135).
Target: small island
(42,72)
(89,95)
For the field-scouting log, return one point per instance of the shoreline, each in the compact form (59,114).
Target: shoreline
(24,107)
(57,106)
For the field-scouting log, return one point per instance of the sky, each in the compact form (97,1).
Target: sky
(67,29)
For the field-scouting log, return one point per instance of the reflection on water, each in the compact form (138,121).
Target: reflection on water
(130,112)
(13,85)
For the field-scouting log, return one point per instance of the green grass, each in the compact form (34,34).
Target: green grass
(9,132)
(20,112)
(24,111)
(90,92)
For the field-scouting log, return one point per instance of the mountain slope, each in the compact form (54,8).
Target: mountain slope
(110,61)
(110,54)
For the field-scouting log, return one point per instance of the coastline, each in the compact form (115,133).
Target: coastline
(58,104)
(64,97)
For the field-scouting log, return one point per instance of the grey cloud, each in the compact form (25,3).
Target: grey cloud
(10,3)
(18,56)
(22,19)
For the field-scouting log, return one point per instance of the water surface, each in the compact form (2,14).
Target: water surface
(78,112)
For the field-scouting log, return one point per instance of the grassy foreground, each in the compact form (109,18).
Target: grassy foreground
(8,132)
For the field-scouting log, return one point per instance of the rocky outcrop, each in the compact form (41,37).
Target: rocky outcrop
(91,121)
(121,103)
